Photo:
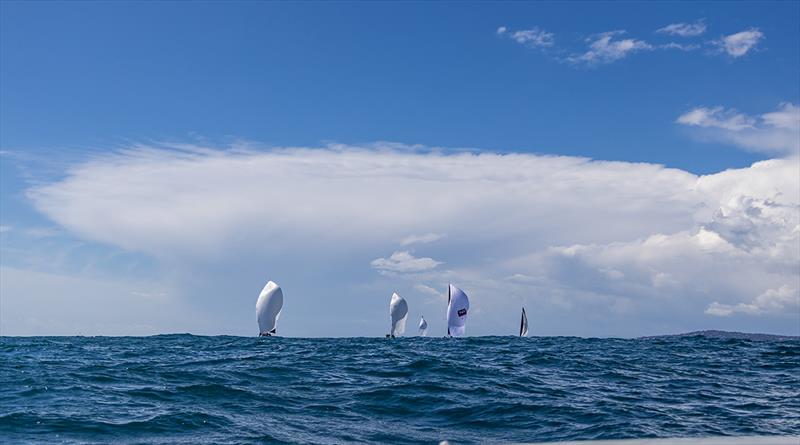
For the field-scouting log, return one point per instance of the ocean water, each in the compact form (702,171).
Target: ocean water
(190,389)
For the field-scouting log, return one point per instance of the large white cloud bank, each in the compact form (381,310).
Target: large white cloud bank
(595,242)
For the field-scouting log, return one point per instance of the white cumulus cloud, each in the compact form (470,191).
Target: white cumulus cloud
(597,248)
(772,300)
(404,261)
(739,44)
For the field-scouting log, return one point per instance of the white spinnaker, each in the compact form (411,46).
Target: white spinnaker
(523,325)
(457,308)
(423,327)
(398,310)
(268,308)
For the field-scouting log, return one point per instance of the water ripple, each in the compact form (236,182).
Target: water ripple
(190,389)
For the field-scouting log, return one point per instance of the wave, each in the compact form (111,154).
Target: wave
(183,388)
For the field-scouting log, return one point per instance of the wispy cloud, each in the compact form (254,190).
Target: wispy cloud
(608,47)
(680,46)
(739,44)
(404,261)
(533,38)
(684,29)
(717,117)
(427,290)
(426,238)
(776,132)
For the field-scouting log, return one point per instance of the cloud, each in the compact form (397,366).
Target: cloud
(146,198)
(679,46)
(717,117)
(744,243)
(776,132)
(533,38)
(772,300)
(739,44)
(598,248)
(607,48)
(404,262)
(421,239)
(684,29)
(427,290)
(5,228)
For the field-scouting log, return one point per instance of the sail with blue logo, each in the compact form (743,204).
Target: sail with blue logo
(457,308)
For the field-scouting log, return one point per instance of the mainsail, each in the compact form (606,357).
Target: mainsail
(423,327)
(457,308)
(523,325)
(398,310)
(268,308)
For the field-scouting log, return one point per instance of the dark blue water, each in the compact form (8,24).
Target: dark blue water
(188,389)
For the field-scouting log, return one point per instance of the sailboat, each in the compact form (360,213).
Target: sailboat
(398,311)
(268,309)
(457,308)
(523,325)
(423,327)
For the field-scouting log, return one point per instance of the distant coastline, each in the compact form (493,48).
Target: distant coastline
(727,334)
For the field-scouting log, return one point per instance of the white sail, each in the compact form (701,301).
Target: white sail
(398,310)
(523,325)
(268,308)
(423,327)
(457,308)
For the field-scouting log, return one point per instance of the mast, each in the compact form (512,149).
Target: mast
(448,306)
(523,324)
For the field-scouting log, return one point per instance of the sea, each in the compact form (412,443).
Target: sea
(217,390)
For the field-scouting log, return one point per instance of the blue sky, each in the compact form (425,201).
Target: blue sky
(101,100)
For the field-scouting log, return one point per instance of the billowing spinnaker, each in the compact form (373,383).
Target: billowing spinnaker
(398,310)
(423,326)
(457,308)
(523,325)
(268,308)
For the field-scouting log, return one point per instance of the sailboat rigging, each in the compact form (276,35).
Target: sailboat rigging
(523,325)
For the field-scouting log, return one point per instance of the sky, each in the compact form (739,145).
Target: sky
(616,168)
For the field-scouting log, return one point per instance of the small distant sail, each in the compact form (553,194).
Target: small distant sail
(268,309)
(457,308)
(523,325)
(398,310)
(423,327)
